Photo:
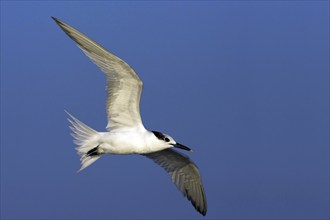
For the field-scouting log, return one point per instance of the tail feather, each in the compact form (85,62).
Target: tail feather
(86,140)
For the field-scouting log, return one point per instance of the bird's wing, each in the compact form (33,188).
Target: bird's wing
(124,87)
(184,174)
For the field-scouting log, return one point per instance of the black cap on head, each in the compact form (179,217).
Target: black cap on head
(159,135)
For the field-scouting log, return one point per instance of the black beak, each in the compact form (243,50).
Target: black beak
(177,145)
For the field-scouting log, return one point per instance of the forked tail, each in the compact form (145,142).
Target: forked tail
(86,140)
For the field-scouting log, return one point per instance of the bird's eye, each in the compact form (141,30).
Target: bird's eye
(166,139)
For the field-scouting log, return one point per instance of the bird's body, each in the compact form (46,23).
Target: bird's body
(126,133)
(120,142)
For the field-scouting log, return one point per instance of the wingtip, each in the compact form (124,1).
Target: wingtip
(55,19)
(58,21)
(203,212)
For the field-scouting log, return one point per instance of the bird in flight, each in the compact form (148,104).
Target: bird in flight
(126,133)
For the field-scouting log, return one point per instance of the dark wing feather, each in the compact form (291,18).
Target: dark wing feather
(184,174)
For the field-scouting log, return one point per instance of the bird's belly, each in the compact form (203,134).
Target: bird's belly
(125,143)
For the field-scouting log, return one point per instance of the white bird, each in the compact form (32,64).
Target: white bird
(126,133)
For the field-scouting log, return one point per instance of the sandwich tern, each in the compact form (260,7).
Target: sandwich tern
(126,133)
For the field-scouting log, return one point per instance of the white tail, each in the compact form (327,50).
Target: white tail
(86,140)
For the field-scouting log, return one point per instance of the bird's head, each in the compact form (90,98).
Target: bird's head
(168,142)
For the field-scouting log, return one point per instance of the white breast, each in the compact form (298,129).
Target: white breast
(130,142)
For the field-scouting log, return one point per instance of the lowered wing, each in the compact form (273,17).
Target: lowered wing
(184,174)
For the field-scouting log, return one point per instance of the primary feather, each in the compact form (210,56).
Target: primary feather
(124,87)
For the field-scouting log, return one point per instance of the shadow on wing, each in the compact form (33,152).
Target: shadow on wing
(184,174)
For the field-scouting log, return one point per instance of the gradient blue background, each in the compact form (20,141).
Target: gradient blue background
(244,84)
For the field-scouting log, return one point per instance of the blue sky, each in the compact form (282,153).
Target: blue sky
(245,84)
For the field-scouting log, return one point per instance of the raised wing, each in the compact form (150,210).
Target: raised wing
(184,174)
(124,87)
